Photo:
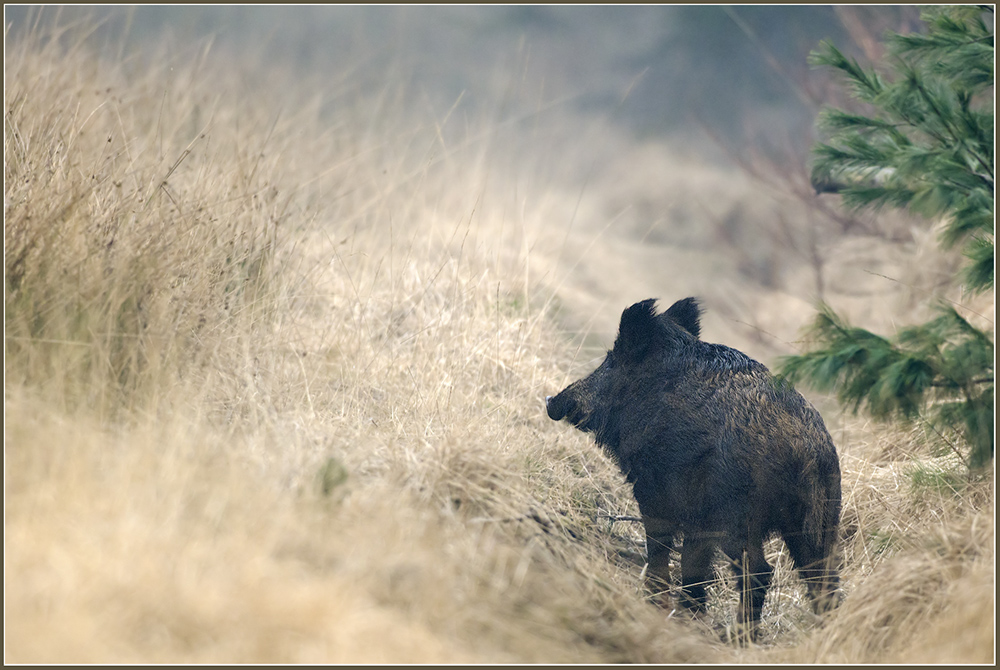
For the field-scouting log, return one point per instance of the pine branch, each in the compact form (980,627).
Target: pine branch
(924,148)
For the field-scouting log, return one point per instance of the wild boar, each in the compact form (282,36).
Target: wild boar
(718,451)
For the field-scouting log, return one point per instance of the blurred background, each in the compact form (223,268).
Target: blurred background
(674,71)
(670,143)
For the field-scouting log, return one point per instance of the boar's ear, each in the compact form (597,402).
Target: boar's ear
(636,330)
(686,313)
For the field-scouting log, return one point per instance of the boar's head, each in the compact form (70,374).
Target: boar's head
(598,402)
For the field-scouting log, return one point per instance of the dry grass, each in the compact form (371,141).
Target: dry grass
(273,394)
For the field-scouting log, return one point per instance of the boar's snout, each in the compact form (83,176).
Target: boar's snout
(555,407)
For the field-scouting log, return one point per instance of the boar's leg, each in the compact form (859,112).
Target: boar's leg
(753,577)
(696,569)
(659,540)
(816,568)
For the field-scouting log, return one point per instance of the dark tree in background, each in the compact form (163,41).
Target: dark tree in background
(740,71)
(926,145)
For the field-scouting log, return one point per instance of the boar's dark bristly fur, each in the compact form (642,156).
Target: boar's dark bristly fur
(718,452)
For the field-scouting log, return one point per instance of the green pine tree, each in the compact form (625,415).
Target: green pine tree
(927,146)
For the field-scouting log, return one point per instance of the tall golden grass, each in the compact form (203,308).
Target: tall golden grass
(273,391)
